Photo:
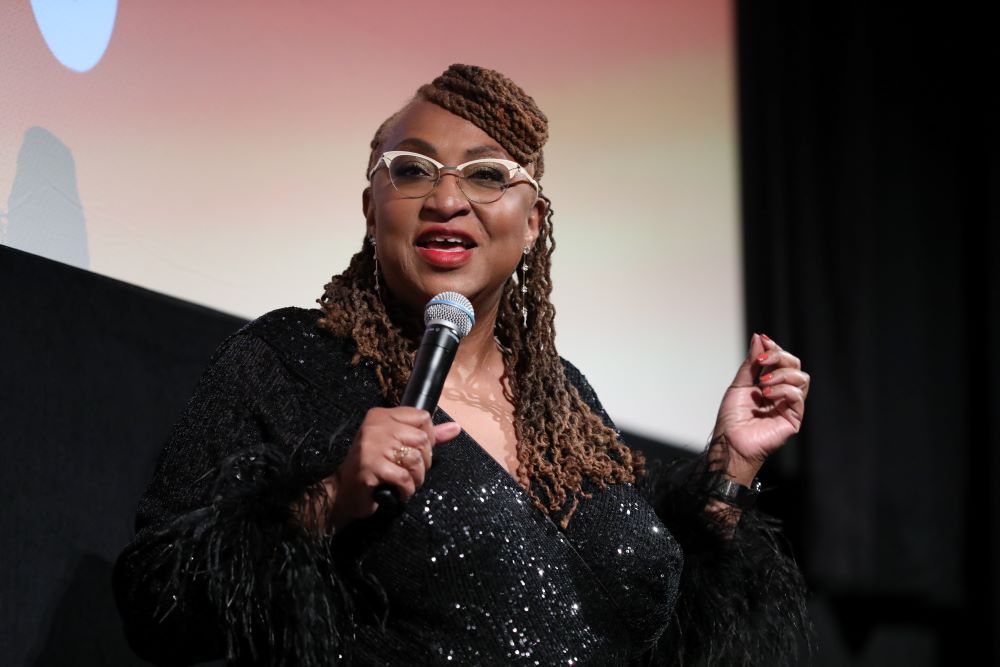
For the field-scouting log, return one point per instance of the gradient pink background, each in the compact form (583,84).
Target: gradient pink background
(220,149)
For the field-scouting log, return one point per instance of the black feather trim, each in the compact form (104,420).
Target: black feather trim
(263,565)
(742,597)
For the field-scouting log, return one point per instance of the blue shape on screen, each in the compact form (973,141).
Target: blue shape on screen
(76,32)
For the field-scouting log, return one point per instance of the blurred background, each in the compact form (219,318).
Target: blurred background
(217,153)
(826,177)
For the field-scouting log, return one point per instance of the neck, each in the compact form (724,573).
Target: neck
(479,349)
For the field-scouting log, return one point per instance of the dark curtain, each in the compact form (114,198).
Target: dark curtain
(869,196)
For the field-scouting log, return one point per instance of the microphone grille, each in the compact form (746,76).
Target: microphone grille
(451,307)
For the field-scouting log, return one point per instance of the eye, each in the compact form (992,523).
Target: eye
(487,174)
(410,168)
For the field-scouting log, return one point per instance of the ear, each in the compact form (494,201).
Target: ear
(368,209)
(536,215)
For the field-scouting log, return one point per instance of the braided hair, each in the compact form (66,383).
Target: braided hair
(563,446)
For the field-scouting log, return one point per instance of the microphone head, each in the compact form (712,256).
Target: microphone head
(452,308)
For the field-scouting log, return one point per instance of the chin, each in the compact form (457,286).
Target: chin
(414,294)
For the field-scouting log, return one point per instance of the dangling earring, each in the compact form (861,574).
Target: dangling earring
(371,239)
(524,269)
(524,284)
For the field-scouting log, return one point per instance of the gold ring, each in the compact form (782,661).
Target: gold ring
(399,454)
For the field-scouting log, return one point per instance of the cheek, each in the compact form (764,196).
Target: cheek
(392,236)
(393,218)
(510,222)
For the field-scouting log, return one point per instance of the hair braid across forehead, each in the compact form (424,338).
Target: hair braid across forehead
(562,444)
(496,105)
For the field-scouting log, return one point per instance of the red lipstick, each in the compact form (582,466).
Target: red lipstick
(444,247)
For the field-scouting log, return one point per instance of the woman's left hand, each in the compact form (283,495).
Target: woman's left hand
(762,407)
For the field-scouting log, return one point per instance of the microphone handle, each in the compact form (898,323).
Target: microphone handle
(437,351)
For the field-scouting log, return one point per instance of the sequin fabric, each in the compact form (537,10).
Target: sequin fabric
(468,573)
(480,576)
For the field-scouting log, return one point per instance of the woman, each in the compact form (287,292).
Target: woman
(528,533)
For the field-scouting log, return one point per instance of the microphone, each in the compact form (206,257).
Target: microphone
(449,318)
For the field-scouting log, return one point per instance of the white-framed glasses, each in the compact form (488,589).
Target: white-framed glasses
(483,181)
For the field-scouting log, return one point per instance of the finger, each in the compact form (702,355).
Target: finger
(411,460)
(410,416)
(440,433)
(411,437)
(769,343)
(415,464)
(428,429)
(446,431)
(769,361)
(792,398)
(746,374)
(426,454)
(381,425)
(401,478)
(778,376)
(419,473)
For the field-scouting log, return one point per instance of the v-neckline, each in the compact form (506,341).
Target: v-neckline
(445,417)
(440,416)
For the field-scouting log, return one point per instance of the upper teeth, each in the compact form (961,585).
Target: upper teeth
(447,239)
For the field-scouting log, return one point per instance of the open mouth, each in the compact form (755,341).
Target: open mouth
(445,242)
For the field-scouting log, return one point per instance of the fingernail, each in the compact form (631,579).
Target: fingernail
(767,391)
(765,378)
(764,336)
(762,357)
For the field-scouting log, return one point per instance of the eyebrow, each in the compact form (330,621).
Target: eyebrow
(485,150)
(428,149)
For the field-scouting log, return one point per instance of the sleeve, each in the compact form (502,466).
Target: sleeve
(219,566)
(742,598)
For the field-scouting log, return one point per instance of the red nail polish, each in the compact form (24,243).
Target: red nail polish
(765,378)
(764,336)
(762,357)
(767,391)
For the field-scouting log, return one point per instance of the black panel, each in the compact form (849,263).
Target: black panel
(94,373)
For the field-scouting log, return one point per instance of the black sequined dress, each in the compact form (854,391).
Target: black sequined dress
(469,573)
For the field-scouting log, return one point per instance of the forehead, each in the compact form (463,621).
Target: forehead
(428,128)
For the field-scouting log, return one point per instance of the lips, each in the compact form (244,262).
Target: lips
(445,248)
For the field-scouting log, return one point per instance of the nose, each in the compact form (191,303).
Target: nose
(447,199)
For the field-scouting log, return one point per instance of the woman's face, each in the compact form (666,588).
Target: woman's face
(416,261)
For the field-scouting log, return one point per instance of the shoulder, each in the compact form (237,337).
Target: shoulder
(282,322)
(573,374)
(314,354)
(288,336)
(576,379)
(295,331)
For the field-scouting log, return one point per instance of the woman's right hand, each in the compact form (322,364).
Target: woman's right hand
(393,446)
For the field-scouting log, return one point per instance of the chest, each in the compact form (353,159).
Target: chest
(484,413)
(470,552)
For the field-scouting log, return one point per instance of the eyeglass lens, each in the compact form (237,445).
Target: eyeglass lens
(482,182)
